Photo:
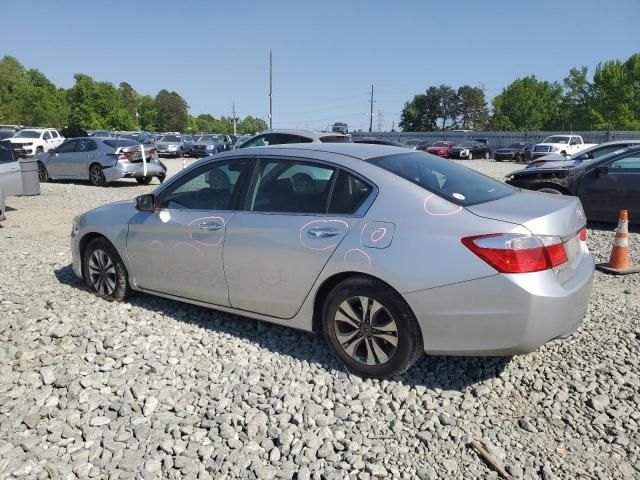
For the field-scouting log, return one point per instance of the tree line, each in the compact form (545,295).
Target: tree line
(28,97)
(607,100)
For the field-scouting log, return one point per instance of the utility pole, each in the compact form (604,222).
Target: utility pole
(380,120)
(235,120)
(270,91)
(371,111)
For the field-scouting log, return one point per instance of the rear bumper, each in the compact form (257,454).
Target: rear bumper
(132,170)
(502,314)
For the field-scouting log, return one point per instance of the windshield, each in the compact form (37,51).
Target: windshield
(170,138)
(27,134)
(120,142)
(210,138)
(467,144)
(556,139)
(440,144)
(449,180)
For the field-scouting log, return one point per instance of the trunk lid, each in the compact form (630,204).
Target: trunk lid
(544,214)
(540,213)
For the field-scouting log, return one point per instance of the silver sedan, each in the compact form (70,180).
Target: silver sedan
(389,253)
(101,160)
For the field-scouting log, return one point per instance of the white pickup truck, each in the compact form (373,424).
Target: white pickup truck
(32,141)
(563,144)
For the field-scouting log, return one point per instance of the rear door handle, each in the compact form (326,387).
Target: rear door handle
(210,226)
(320,232)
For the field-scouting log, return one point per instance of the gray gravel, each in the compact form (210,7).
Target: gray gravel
(158,389)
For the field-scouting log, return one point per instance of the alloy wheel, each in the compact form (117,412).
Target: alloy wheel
(96,175)
(43,175)
(102,272)
(366,331)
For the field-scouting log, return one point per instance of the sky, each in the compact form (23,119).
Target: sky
(326,55)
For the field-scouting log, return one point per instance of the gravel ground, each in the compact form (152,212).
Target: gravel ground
(159,389)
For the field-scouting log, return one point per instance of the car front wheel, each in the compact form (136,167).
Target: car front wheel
(43,174)
(104,271)
(371,328)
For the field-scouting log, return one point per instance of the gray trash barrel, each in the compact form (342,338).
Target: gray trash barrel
(30,179)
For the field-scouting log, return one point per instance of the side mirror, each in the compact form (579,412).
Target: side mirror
(145,203)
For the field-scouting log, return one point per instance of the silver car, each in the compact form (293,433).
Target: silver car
(280,137)
(101,160)
(175,145)
(388,252)
(10,175)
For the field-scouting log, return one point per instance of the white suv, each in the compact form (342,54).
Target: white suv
(31,141)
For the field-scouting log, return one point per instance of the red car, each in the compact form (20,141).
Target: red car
(440,149)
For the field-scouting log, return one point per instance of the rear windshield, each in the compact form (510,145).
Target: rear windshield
(449,180)
(170,138)
(120,143)
(335,139)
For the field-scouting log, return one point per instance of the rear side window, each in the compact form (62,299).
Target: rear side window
(348,194)
(449,180)
(119,143)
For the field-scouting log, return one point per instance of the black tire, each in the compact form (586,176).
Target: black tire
(39,150)
(407,335)
(487,155)
(96,176)
(108,280)
(161,178)
(144,180)
(517,158)
(179,154)
(43,174)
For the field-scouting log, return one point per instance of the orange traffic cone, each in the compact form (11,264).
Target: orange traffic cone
(619,260)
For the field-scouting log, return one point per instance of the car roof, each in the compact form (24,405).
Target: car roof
(304,133)
(361,151)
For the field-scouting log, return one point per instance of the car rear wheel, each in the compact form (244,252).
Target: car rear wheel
(43,174)
(96,175)
(371,328)
(487,155)
(144,180)
(517,158)
(39,150)
(555,191)
(104,271)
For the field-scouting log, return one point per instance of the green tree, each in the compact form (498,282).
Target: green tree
(129,99)
(192,126)
(13,87)
(615,95)
(172,111)
(575,105)
(147,114)
(472,110)
(528,104)
(251,125)
(120,119)
(436,109)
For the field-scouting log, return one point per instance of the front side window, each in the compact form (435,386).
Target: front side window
(211,187)
(291,187)
(449,180)
(631,162)
(67,147)
(261,141)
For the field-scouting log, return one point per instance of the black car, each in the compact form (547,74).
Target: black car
(605,185)
(470,150)
(380,141)
(514,152)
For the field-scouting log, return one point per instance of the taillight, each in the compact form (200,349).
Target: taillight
(518,253)
(153,152)
(126,156)
(583,235)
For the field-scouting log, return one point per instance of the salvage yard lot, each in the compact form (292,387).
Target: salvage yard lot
(153,387)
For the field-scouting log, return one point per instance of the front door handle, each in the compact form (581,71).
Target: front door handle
(210,226)
(320,232)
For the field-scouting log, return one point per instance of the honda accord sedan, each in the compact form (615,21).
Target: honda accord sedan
(388,252)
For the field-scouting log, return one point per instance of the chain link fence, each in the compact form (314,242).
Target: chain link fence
(500,139)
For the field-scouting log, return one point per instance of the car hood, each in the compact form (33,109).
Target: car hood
(554,156)
(203,144)
(21,141)
(552,164)
(540,213)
